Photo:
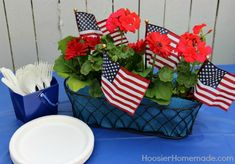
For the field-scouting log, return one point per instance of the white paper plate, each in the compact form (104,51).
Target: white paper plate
(52,140)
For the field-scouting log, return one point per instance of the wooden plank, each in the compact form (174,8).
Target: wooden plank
(153,11)
(21,31)
(204,11)
(46,15)
(224,48)
(177,15)
(133,5)
(68,24)
(101,9)
(5,54)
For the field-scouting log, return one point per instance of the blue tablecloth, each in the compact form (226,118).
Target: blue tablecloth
(213,137)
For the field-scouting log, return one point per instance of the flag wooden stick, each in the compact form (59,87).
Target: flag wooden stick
(146,21)
(104,46)
(146,25)
(75,10)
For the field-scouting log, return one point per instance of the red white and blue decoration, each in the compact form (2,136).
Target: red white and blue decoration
(215,86)
(122,89)
(172,60)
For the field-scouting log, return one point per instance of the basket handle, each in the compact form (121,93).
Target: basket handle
(42,95)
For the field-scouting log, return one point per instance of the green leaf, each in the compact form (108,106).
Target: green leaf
(183,67)
(187,79)
(150,92)
(163,90)
(144,73)
(126,52)
(182,89)
(63,67)
(81,60)
(166,74)
(182,78)
(133,63)
(160,92)
(63,74)
(75,84)
(86,68)
(192,80)
(116,53)
(97,66)
(96,62)
(114,58)
(62,44)
(92,58)
(95,88)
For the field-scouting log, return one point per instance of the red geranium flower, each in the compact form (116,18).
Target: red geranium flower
(204,51)
(129,22)
(138,47)
(91,42)
(192,49)
(197,28)
(159,44)
(75,48)
(124,20)
(112,24)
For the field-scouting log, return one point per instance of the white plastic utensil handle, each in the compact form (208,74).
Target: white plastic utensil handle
(9,75)
(12,87)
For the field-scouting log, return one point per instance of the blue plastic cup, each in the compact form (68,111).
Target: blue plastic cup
(37,104)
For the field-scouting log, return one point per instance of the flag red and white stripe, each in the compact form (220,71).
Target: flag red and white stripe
(122,89)
(215,91)
(90,33)
(172,60)
(116,35)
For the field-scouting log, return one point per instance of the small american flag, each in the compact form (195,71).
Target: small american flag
(122,89)
(87,25)
(172,60)
(215,87)
(116,35)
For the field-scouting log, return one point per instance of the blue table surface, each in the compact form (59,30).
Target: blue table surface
(213,137)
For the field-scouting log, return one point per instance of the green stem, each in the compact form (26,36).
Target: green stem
(142,64)
(80,64)
(67,65)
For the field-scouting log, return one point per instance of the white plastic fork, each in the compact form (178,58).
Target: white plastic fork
(45,72)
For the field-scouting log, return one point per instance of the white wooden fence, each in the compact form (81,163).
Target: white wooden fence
(30,29)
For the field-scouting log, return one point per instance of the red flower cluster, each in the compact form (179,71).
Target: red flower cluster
(80,46)
(159,44)
(192,48)
(91,42)
(138,47)
(123,19)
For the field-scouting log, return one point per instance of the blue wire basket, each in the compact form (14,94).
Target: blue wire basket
(174,121)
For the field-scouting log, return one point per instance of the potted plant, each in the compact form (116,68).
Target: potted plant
(168,108)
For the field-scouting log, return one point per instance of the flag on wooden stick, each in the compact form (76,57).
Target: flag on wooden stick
(122,89)
(87,24)
(215,87)
(170,61)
